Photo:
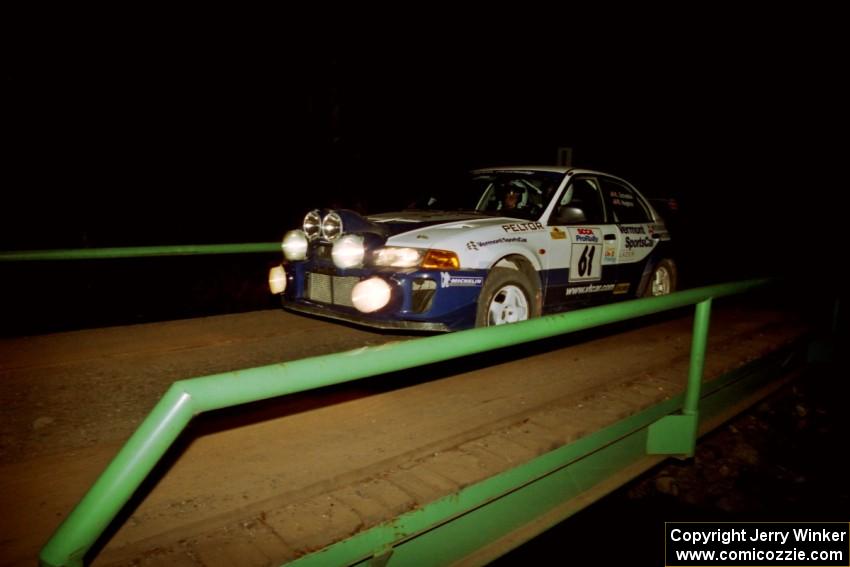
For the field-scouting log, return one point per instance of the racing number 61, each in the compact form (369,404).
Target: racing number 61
(585,263)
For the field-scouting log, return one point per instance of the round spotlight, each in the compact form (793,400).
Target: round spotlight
(332,226)
(295,245)
(348,251)
(312,224)
(370,295)
(277,280)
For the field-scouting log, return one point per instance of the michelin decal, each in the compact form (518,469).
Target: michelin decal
(448,280)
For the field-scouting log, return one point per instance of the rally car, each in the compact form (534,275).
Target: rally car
(507,244)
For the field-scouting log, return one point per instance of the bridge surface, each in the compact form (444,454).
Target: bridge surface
(267,483)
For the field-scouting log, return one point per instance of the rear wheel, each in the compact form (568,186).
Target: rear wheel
(662,281)
(507,297)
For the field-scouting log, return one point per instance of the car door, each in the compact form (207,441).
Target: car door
(583,265)
(636,237)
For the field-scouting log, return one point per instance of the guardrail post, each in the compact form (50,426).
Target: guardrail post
(677,434)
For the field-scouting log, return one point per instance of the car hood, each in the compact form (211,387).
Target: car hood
(426,229)
(406,221)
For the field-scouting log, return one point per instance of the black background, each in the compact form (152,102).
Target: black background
(184,132)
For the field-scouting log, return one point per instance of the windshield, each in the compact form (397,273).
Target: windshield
(521,194)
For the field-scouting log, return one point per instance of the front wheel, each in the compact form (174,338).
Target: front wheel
(507,297)
(662,280)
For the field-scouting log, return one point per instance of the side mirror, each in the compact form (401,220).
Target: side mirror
(570,215)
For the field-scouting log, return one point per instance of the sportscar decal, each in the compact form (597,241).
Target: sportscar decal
(472,245)
(636,248)
(644,242)
(523,227)
(448,280)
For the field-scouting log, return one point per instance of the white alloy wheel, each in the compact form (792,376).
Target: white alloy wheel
(662,281)
(508,305)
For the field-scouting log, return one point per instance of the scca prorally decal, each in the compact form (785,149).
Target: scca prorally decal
(481,244)
(522,227)
(585,235)
(644,242)
(632,230)
(448,280)
(592,288)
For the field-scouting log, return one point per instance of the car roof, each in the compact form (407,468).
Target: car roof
(546,168)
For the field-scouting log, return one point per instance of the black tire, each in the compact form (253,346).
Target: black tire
(504,282)
(666,268)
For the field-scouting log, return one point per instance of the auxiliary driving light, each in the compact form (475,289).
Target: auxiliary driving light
(312,224)
(277,280)
(370,295)
(332,226)
(348,251)
(295,245)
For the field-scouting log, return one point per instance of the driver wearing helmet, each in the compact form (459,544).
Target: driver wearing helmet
(513,198)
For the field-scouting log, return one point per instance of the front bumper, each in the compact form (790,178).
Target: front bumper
(364,319)
(427,300)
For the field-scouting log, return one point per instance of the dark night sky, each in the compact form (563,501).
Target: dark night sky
(158,138)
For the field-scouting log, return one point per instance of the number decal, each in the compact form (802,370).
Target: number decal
(586,263)
(582,264)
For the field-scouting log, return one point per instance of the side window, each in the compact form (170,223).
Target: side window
(581,203)
(627,206)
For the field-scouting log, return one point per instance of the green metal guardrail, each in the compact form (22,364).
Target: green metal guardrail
(137,252)
(188,398)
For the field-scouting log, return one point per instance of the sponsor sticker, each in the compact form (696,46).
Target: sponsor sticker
(586,235)
(591,288)
(610,255)
(632,229)
(558,234)
(522,227)
(448,280)
(621,288)
(475,245)
(644,242)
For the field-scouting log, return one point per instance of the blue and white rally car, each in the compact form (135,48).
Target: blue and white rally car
(505,245)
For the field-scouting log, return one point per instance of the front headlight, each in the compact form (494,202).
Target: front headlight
(332,226)
(413,257)
(312,224)
(294,245)
(348,251)
(396,257)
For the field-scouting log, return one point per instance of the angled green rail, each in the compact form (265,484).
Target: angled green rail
(137,252)
(188,398)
